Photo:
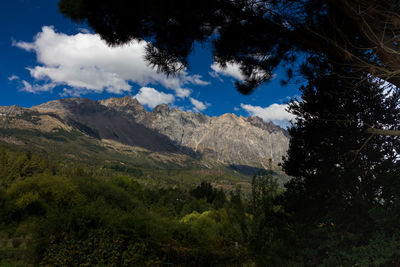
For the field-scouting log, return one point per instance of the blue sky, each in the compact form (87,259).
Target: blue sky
(45,57)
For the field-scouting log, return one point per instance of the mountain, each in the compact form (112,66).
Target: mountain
(227,138)
(90,130)
(103,123)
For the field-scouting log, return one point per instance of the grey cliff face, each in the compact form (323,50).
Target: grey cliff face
(227,138)
(268,126)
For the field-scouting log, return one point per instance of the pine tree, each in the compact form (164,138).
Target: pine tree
(342,173)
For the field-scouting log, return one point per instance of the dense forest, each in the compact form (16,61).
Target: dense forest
(59,215)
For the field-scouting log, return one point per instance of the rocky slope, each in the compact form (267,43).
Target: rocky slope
(226,139)
(102,122)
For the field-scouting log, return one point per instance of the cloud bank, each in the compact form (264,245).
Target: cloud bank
(276,113)
(86,64)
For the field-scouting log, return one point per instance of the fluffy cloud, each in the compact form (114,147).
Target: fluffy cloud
(232,70)
(84,62)
(36,87)
(151,97)
(182,92)
(276,113)
(198,105)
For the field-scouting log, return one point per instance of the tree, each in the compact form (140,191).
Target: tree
(267,225)
(345,178)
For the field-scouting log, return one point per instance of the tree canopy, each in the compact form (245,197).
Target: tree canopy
(344,191)
(256,34)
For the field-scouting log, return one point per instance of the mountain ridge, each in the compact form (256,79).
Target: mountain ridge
(228,138)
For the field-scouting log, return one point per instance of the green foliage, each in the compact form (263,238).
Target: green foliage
(58,134)
(39,193)
(126,169)
(210,194)
(13,263)
(71,216)
(17,165)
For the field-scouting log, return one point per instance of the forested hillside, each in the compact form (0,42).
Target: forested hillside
(59,215)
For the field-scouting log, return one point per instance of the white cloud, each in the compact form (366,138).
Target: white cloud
(232,70)
(13,77)
(151,97)
(84,62)
(196,79)
(276,113)
(182,92)
(198,105)
(36,88)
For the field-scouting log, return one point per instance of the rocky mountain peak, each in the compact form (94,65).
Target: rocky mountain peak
(126,101)
(126,105)
(162,109)
(269,126)
(229,116)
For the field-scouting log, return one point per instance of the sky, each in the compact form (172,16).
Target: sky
(45,56)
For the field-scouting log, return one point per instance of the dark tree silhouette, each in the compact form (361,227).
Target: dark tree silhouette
(257,34)
(344,177)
